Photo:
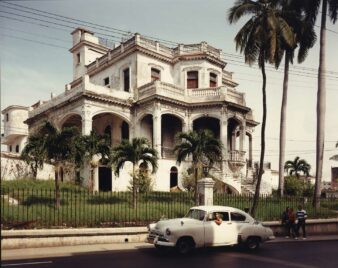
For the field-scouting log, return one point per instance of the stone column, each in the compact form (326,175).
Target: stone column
(205,190)
(224,132)
(157,133)
(224,138)
(250,151)
(187,124)
(87,122)
(242,136)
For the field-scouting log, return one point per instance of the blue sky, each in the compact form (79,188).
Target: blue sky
(30,70)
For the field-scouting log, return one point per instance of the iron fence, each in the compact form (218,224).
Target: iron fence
(29,208)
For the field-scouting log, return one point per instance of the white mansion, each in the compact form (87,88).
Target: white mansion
(143,88)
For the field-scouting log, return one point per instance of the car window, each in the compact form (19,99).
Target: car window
(196,214)
(223,215)
(235,216)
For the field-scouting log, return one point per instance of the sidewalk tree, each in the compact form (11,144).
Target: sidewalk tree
(33,153)
(203,148)
(260,41)
(59,147)
(311,10)
(138,151)
(304,39)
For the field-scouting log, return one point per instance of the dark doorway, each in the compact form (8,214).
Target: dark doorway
(105,179)
(173,177)
(125,131)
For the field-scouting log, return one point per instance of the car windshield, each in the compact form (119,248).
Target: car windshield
(196,214)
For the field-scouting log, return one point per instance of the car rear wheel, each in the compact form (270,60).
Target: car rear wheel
(253,243)
(184,245)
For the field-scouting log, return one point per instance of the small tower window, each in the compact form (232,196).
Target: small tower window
(78,58)
(213,80)
(126,80)
(155,74)
(10,148)
(7,117)
(106,82)
(192,79)
(17,148)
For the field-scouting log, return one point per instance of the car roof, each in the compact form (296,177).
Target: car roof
(213,208)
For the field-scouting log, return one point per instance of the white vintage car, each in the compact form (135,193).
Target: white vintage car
(199,229)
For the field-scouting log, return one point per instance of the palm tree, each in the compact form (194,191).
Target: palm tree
(59,149)
(305,37)
(33,153)
(95,147)
(335,157)
(204,149)
(137,151)
(259,41)
(311,9)
(296,166)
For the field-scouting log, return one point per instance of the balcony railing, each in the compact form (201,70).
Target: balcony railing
(236,156)
(81,87)
(138,40)
(190,95)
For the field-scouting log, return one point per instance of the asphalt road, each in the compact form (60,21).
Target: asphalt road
(303,254)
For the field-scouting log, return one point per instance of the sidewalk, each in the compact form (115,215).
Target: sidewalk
(64,251)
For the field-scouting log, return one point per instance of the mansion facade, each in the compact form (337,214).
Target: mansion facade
(143,88)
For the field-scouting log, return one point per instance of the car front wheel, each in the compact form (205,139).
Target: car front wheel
(184,245)
(252,243)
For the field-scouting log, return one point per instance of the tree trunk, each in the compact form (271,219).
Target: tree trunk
(91,186)
(261,161)
(57,188)
(321,102)
(282,133)
(196,178)
(134,188)
(35,170)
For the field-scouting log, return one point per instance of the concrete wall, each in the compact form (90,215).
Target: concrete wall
(13,168)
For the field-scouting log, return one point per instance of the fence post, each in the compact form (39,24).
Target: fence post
(205,190)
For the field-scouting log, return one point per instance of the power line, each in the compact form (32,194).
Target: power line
(277,139)
(51,27)
(39,35)
(125,33)
(33,41)
(91,23)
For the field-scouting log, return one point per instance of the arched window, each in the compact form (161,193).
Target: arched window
(17,148)
(213,80)
(173,177)
(192,79)
(155,74)
(10,148)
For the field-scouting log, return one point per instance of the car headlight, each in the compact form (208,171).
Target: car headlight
(167,231)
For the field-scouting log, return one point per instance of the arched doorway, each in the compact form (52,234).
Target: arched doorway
(173,177)
(171,125)
(207,123)
(146,128)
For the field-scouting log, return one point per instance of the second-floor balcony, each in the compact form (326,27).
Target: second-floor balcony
(82,86)
(196,95)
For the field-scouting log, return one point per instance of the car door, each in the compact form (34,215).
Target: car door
(219,234)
